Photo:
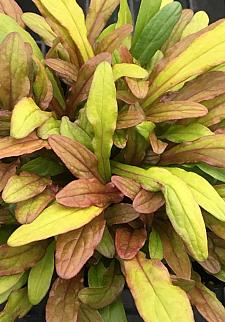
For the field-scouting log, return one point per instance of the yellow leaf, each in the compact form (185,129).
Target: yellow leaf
(128,70)
(26,117)
(155,297)
(69,14)
(197,23)
(192,56)
(53,221)
(165,2)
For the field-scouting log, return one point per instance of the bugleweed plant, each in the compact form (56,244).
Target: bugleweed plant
(112,165)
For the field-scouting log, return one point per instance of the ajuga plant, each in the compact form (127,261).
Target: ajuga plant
(112,164)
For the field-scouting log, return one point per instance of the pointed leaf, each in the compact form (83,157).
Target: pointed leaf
(208,149)
(101,104)
(175,111)
(128,70)
(14,260)
(53,221)
(43,272)
(81,162)
(120,214)
(155,296)
(155,32)
(26,117)
(26,211)
(14,83)
(98,14)
(84,193)
(24,186)
(147,202)
(64,293)
(74,248)
(128,242)
(128,187)
(64,13)
(158,146)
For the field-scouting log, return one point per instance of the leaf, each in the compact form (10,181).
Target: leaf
(98,14)
(215,116)
(128,70)
(128,187)
(23,186)
(64,293)
(106,246)
(147,202)
(174,251)
(53,221)
(139,88)
(158,146)
(120,138)
(75,132)
(43,272)
(101,104)
(65,70)
(155,32)
(207,303)
(114,39)
(199,89)
(155,296)
(197,23)
(39,25)
(64,13)
(175,111)
(8,282)
(135,150)
(165,2)
(146,12)
(212,264)
(86,314)
(208,149)
(183,133)
(155,245)
(43,167)
(80,90)
(84,193)
(128,242)
(181,207)
(50,127)
(99,297)
(22,281)
(214,172)
(145,129)
(204,194)
(81,162)
(7,170)
(14,83)
(13,10)
(26,117)
(74,248)
(114,311)
(18,305)
(120,214)
(130,116)
(200,52)
(19,259)
(28,210)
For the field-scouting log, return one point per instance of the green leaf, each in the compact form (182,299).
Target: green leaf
(86,314)
(75,132)
(8,282)
(128,70)
(54,220)
(43,167)
(145,129)
(155,32)
(124,15)
(40,276)
(50,127)
(204,194)
(146,12)
(106,246)
(102,114)
(14,70)
(26,117)
(183,133)
(155,245)
(22,281)
(214,172)
(155,296)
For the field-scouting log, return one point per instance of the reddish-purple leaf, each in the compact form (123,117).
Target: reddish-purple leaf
(81,162)
(126,97)
(120,214)
(74,248)
(130,116)
(84,193)
(208,149)
(157,145)
(212,264)
(12,9)
(128,241)
(139,88)
(147,202)
(7,170)
(65,70)
(10,147)
(128,187)
(63,304)
(15,260)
